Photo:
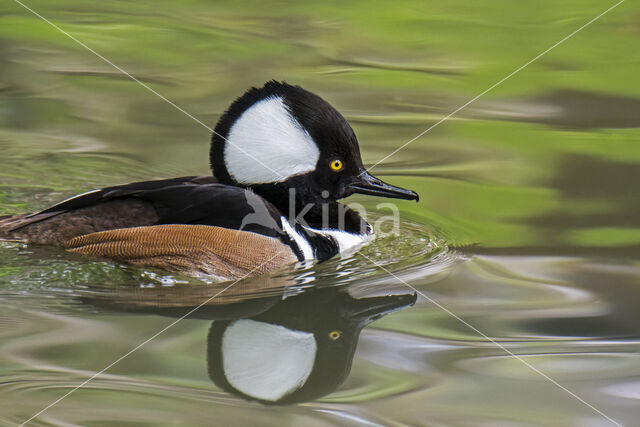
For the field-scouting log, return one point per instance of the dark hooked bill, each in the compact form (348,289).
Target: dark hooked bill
(369,184)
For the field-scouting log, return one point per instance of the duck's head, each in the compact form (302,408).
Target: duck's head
(282,137)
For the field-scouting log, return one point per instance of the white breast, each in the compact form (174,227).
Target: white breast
(305,247)
(348,243)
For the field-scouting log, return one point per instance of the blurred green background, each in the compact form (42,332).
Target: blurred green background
(545,160)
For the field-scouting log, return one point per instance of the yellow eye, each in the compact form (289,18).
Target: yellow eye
(336,165)
(334,335)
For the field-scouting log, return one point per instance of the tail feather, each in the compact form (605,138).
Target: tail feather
(8,223)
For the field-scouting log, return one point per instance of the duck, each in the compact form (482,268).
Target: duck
(281,157)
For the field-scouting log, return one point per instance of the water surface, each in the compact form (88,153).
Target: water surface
(528,226)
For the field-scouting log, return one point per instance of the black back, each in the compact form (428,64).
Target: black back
(188,200)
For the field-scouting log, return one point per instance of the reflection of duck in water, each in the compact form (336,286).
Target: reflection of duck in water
(299,350)
(274,350)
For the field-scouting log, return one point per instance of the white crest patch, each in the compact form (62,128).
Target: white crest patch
(266,361)
(267,144)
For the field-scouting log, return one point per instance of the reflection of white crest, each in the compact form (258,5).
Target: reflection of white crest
(260,215)
(266,361)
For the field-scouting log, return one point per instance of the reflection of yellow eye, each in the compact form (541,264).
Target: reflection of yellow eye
(336,165)
(334,335)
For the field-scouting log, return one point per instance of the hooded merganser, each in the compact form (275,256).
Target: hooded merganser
(281,158)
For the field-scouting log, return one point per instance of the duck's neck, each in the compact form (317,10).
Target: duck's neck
(318,213)
(331,216)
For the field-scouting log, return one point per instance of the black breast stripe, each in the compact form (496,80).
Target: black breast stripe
(324,247)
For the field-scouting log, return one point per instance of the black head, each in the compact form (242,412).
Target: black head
(297,351)
(281,137)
